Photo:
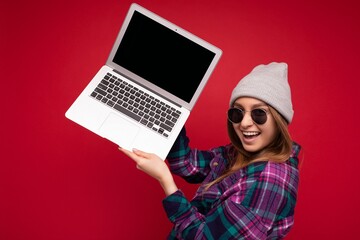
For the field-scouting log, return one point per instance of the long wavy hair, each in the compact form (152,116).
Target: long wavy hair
(278,150)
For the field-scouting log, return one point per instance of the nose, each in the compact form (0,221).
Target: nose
(247,120)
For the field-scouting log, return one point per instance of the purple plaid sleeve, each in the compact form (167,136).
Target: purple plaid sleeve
(191,164)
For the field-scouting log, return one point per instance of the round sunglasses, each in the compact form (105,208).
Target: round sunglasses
(236,115)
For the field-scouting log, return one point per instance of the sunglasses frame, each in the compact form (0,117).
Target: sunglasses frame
(251,114)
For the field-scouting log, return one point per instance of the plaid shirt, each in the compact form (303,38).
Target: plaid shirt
(256,202)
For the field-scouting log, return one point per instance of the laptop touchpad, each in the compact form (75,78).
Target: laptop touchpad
(119,130)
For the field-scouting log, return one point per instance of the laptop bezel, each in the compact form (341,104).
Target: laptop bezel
(143,82)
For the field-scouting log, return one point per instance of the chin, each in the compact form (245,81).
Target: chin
(251,148)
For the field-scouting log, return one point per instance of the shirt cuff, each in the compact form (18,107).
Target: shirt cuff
(176,206)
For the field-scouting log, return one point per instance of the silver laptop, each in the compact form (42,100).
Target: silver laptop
(152,79)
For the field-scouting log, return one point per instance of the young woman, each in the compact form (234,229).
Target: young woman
(249,187)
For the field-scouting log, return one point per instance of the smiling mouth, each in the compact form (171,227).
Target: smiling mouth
(249,135)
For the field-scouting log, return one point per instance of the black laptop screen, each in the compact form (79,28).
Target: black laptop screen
(163,57)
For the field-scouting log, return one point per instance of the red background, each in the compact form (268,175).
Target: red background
(60,181)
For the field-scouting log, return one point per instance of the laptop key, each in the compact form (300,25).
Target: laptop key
(170,124)
(127,112)
(164,126)
(110,103)
(102,92)
(144,121)
(102,86)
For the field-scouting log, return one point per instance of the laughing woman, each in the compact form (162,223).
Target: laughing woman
(249,187)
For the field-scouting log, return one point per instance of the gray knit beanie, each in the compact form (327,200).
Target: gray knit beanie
(268,83)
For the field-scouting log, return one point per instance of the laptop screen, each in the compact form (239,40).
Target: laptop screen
(163,57)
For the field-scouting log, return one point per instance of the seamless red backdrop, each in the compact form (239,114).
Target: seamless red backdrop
(59,181)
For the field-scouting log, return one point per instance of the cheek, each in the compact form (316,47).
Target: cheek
(272,131)
(237,129)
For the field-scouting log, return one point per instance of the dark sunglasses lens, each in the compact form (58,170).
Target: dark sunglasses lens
(235,115)
(259,116)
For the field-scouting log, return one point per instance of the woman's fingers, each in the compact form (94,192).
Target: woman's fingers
(130,154)
(154,166)
(141,153)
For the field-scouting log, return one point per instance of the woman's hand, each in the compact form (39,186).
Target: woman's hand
(154,166)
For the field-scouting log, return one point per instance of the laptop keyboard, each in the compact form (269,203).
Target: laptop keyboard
(135,103)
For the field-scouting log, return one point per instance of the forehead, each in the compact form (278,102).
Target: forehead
(249,102)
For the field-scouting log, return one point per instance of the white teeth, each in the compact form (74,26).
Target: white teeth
(250,133)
